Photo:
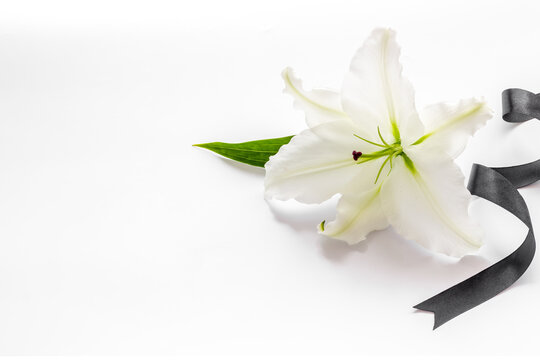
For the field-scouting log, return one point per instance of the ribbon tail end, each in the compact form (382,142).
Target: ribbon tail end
(437,319)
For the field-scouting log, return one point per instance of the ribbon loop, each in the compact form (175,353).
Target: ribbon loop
(520,105)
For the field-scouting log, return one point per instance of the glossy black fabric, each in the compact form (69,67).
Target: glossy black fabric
(498,185)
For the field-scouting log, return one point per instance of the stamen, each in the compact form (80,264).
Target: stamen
(368,141)
(391,166)
(356,155)
(380,136)
(380,170)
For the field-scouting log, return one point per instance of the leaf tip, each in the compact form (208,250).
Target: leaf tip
(204,146)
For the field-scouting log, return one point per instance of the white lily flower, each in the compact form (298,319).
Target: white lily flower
(391,165)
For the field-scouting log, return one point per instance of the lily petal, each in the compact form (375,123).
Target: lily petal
(375,93)
(425,200)
(450,125)
(319,105)
(317,164)
(357,215)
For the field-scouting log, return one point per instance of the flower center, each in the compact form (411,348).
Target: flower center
(388,151)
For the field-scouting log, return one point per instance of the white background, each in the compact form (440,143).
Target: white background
(118,237)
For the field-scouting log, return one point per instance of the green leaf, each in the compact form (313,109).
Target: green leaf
(254,153)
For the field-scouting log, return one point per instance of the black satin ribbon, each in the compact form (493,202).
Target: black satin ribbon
(498,185)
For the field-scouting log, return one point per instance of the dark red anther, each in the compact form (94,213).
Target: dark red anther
(356,155)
